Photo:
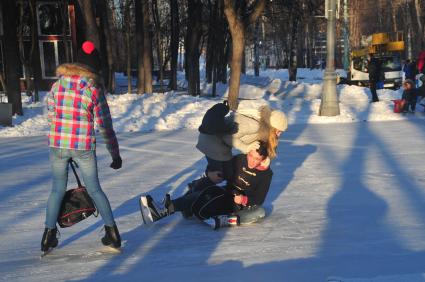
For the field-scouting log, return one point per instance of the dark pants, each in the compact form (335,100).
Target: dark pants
(246,215)
(224,166)
(372,86)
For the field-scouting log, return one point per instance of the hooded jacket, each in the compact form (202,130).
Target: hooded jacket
(75,101)
(250,128)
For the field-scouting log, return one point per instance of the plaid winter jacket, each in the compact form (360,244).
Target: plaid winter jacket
(74,103)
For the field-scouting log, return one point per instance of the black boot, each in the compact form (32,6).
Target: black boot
(112,237)
(49,239)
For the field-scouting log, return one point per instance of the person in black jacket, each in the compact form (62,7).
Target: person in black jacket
(243,195)
(374,69)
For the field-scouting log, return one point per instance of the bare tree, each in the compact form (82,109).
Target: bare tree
(11,53)
(174,43)
(25,28)
(63,7)
(91,30)
(192,42)
(237,26)
(140,47)
(147,48)
(157,22)
(105,15)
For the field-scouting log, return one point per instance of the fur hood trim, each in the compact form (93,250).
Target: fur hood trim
(78,69)
(264,131)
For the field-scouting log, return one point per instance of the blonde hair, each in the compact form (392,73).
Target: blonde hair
(272,143)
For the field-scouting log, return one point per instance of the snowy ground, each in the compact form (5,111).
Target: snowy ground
(173,110)
(347,200)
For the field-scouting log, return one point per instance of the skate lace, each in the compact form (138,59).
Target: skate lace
(160,207)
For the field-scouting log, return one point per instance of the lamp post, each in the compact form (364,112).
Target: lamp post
(329,104)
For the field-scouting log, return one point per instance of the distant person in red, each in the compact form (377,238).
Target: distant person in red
(75,102)
(421,62)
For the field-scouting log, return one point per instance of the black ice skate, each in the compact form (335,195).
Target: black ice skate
(49,240)
(153,211)
(112,237)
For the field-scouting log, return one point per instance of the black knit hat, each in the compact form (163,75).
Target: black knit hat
(89,56)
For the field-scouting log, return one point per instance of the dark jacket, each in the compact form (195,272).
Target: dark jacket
(252,183)
(214,122)
(410,95)
(374,69)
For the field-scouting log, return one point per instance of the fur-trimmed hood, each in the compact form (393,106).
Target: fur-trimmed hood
(264,130)
(71,69)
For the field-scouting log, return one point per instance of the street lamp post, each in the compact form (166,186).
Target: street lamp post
(329,105)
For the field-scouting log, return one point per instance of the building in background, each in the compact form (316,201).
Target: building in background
(56,37)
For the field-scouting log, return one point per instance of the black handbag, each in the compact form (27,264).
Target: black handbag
(76,204)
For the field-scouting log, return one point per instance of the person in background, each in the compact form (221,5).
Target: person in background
(409,95)
(374,69)
(75,102)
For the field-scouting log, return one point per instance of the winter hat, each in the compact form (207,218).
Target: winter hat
(278,120)
(89,56)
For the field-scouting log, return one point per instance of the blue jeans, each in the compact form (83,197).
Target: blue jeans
(87,163)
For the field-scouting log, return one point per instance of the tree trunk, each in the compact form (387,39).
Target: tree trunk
(420,26)
(174,44)
(23,57)
(91,30)
(211,42)
(140,47)
(256,51)
(292,70)
(107,32)
(394,15)
(193,39)
(408,29)
(2,81)
(237,30)
(128,43)
(147,47)
(158,43)
(92,33)
(35,53)
(63,6)
(11,55)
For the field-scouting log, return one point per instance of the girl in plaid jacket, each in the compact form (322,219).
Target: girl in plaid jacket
(75,102)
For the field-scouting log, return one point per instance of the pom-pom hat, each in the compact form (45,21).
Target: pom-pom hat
(278,120)
(89,56)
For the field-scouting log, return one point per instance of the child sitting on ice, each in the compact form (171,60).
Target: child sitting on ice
(409,95)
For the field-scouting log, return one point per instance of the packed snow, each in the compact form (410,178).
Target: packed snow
(346,204)
(174,110)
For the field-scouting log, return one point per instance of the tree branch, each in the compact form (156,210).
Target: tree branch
(258,10)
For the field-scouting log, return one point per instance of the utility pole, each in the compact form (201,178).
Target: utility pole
(346,36)
(329,105)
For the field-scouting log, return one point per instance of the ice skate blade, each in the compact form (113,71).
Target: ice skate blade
(145,211)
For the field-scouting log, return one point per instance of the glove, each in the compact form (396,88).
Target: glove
(253,146)
(116,163)
(231,127)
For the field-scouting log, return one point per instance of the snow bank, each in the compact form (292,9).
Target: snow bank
(300,100)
